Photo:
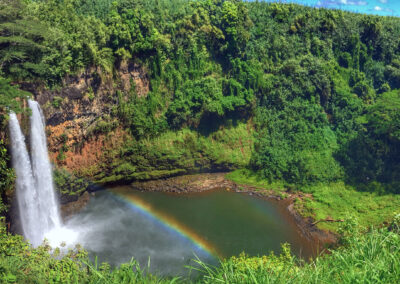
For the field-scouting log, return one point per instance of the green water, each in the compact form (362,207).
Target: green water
(231,222)
(171,230)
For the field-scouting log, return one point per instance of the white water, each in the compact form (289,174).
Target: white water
(48,209)
(27,197)
(38,207)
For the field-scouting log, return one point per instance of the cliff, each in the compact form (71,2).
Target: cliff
(88,138)
(81,127)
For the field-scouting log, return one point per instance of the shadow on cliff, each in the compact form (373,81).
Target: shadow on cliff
(211,122)
(371,165)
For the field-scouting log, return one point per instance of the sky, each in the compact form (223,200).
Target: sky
(376,7)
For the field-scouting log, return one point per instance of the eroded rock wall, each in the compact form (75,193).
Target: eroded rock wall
(81,129)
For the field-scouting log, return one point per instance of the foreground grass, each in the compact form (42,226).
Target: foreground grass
(364,257)
(334,200)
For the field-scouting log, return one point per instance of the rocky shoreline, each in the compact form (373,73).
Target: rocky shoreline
(210,181)
(186,183)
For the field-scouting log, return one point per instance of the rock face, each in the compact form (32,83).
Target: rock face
(78,115)
(132,75)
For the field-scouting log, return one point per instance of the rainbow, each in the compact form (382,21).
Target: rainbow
(169,222)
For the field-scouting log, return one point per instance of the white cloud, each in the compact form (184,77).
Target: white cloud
(383,1)
(333,3)
(357,3)
(382,9)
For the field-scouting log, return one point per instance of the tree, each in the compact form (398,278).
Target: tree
(236,25)
(21,38)
(384,117)
(6,173)
(9,96)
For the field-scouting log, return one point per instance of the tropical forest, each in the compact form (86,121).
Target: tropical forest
(198,141)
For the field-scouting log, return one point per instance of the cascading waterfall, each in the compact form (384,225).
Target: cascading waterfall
(38,208)
(25,185)
(42,172)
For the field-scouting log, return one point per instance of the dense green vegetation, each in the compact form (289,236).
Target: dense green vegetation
(177,152)
(7,175)
(68,184)
(321,86)
(301,98)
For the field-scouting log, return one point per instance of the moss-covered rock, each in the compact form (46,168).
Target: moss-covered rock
(69,186)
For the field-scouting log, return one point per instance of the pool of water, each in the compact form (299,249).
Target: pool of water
(170,230)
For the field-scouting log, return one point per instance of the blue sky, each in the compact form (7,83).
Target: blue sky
(376,7)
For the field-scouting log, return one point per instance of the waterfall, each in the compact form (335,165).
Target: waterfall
(42,172)
(25,186)
(38,208)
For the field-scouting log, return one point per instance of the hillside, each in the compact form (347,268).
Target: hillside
(285,97)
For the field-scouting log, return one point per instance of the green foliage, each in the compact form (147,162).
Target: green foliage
(68,184)
(295,149)
(335,200)
(206,96)
(254,179)
(98,8)
(303,98)
(9,96)
(103,125)
(314,82)
(144,116)
(46,40)
(21,42)
(6,173)
(370,158)
(132,30)
(64,148)
(57,102)
(384,118)
(178,152)
(339,201)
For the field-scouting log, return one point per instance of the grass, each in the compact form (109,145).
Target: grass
(227,146)
(250,178)
(339,201)
(335,200)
